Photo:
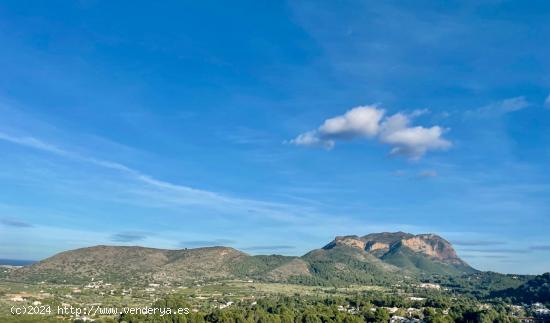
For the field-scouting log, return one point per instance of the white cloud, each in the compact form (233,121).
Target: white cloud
(547,101)
(411,141)
(369,122)
(361,121)
(312,138)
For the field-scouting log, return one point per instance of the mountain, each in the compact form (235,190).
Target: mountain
(425,253)
(371,259)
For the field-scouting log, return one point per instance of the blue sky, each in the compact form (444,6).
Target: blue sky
(272,127)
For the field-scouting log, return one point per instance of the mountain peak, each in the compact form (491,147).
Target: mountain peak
(403,248)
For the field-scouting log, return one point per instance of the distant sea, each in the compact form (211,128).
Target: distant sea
(16,262)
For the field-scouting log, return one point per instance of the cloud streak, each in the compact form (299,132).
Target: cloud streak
(497,250)
(15,223)
(269,247)
(427,174)
(541,248)
(371,123)
(500,107)
(475,243)
(206,243)
(169,193)
(128,236)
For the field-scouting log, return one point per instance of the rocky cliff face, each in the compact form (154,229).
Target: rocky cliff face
(373,246)
(431,245)
(381,244)
(350,241)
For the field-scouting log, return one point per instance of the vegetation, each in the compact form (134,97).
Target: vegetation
(481,284)
(374,308)
(534,290)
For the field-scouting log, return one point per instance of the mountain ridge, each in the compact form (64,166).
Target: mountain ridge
(352,258)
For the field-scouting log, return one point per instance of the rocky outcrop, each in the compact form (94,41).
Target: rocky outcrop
(431,245)
(350,241)
(382,244)
(372,246)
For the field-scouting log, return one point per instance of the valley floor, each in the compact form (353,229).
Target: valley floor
(210,301)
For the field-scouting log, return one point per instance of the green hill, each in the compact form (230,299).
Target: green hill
(534,290)
(343,264)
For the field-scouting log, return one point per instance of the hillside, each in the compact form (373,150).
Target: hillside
(371,259)
(343,264)
(534,290)
(136,264)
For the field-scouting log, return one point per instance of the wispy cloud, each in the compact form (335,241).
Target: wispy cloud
(15,223)
(206,243)
(269,247)
(370,122)
(128,236)
(34,143)
(399,173)
(500,107)
(173,194)
(245,136)
(485,256)
(497,250)
(541,247)
(427,173)
(547,102)
(477,242)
